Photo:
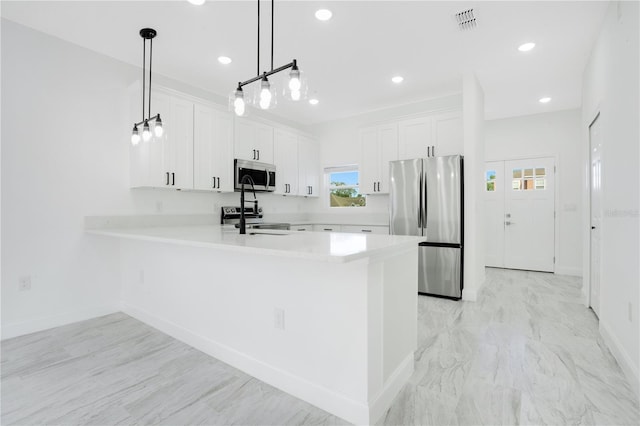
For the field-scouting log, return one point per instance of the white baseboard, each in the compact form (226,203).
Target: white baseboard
(625,362)
(358,412)
(20,328)
(568,270)
(397,379)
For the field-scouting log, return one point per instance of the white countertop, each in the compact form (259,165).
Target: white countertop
(321,246)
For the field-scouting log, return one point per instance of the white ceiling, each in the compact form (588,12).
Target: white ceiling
(349,60)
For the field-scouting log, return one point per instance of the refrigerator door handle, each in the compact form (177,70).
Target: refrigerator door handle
(420,203)
(425,215)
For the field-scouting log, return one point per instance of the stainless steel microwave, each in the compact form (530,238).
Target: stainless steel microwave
(263,175)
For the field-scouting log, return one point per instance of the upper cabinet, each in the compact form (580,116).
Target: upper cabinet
(378,146)
(166,161)
(448,134)
(429,136)
(285,154)
(308,168)
(253,141)
(195,151)
(212,149)
(415,137)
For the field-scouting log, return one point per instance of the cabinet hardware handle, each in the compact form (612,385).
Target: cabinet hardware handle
(218,183)
(593,227)
(254,154)
(433,150)
(258,155)
(167,178)
(311,190)
(428,151)
(366,230)
(214,182)
(328,229)
(173,179)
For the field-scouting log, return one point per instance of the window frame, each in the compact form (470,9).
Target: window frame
(328,171)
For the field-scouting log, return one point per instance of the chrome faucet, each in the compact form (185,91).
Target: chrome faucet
(243,222)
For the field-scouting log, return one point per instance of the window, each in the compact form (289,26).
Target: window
(529,179)
(491,180)
(344,188)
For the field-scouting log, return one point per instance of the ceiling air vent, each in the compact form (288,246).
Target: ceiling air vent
(466,19)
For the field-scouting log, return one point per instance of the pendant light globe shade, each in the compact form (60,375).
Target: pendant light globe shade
(237,103)
(135,136)
(158,130)
(266,96)
(146,132)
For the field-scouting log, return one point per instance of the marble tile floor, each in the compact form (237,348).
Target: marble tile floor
(527,352)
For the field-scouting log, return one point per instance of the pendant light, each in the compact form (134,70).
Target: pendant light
(266,97)
(158,130)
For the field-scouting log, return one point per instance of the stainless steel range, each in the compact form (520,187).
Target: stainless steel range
(230,215)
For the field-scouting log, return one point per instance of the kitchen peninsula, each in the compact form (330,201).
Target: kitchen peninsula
(328,317)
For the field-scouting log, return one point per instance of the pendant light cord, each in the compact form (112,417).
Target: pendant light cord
(258,59)
(144,72)
(272,35)
(150,65)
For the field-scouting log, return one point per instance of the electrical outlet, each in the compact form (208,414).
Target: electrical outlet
(24,283)
(278,318)
(630,312)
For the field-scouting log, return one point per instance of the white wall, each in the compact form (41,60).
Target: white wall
(555,134)
(340,145)
(473,118)
(611,87)
(65,153)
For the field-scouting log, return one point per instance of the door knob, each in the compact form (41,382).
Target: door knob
(509,223)
(593,227)
(507,215)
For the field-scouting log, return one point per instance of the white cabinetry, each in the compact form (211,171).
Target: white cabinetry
(429,136)
(378,146)
(212,149)
(327,228)
(308,168)
(415,138)
(285,155)
(253,141)
(167,161)
(365,229)
(448,134)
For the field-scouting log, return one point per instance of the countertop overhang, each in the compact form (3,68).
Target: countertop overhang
(319,246)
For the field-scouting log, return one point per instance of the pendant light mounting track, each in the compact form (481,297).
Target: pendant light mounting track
(266,99)
(147,34)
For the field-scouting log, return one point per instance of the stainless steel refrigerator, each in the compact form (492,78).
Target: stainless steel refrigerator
(426,198)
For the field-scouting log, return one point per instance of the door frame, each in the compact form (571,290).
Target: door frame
(556,196)
(586,235)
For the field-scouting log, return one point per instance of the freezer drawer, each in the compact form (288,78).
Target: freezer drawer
(440,271)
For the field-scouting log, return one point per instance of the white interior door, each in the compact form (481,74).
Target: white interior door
(529,241)
(595,141)
(494,214)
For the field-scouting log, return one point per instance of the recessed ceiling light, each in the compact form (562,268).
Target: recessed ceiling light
(224,60)
(544,100)
(397,79)
(313,101)
(323,14)
(526,47)
(197,2)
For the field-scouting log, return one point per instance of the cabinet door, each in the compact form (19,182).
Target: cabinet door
(388,151)
(308,168)
(264,143)
(178,155)
(285,155)
(448,136)
(212,149)
(146,162)
(253,141)
(369,160)
(414,137)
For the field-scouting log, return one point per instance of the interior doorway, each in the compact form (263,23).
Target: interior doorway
(520,214)
(595,187)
